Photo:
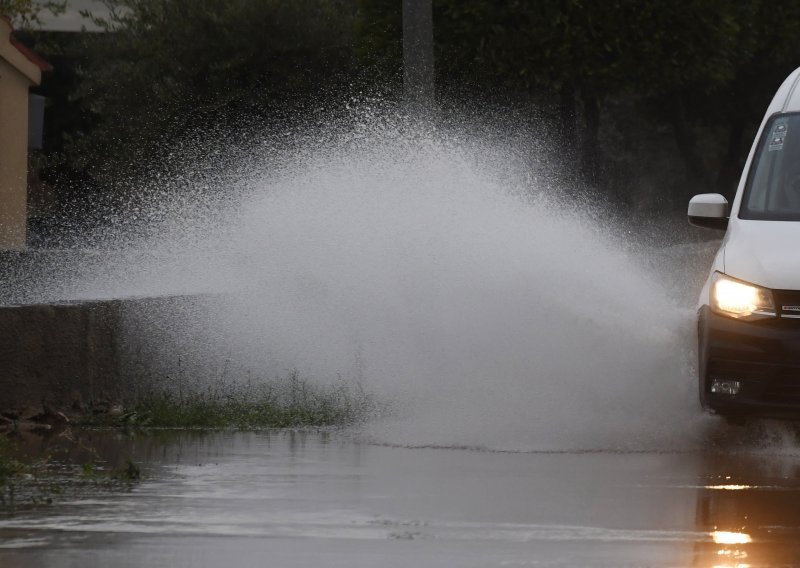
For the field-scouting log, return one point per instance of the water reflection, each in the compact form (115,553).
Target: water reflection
(750,507)
(290,493)
(726,537)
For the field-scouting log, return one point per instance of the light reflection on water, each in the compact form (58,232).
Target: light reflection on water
(727,537)
(304,496)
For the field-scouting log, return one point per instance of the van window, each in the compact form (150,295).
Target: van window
(773,186)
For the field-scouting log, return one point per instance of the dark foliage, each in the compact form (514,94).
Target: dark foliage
(654,100)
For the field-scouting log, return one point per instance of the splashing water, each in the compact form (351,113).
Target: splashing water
(505,321)
(445,274)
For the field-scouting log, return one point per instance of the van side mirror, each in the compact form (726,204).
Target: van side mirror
(709,210)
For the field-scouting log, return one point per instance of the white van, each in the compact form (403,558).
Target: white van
(749,309)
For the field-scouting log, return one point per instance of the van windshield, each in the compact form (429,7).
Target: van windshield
(773,186)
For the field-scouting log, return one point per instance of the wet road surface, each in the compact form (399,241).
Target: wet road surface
(328,499)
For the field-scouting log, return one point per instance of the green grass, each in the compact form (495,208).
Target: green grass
(294,402)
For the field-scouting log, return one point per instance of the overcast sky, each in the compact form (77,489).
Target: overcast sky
(71,20)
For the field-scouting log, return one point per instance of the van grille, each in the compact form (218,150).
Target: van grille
(784,388)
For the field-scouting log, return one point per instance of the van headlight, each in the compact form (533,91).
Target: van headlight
(739,299)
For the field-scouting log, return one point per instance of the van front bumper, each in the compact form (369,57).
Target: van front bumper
(762,356)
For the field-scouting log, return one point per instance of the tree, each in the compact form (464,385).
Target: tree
(698,71)
(27,13)
(579,53)
(703,68)
(166,68)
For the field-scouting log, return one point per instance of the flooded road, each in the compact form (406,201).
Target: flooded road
(329,499)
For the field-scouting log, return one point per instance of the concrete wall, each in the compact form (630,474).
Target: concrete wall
(83,352)
(88,355)
(60,355)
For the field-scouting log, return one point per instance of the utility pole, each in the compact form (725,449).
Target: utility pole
(418,88)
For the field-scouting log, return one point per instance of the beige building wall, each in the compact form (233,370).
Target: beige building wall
(13,157)
(17,75)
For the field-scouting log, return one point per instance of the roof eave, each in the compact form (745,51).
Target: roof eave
(20,57)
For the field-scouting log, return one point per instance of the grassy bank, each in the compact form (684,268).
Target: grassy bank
(293,402)
(73,463)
